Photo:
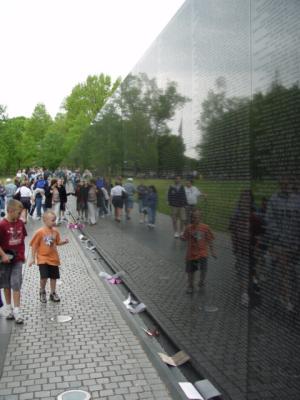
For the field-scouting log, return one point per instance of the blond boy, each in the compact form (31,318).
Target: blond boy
(44,253)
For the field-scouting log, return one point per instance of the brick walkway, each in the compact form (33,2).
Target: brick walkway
(248,353)
(96,351)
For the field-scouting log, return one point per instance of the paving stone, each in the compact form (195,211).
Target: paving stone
(88,352)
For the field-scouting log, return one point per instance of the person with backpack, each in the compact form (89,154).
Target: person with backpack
(39,188)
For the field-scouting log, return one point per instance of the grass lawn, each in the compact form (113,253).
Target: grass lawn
(222,197)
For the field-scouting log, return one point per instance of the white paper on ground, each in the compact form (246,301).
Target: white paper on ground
(133,306)
(105,275)
(207,389)
(82,238)
(130,300)
(139,308)
(190,391)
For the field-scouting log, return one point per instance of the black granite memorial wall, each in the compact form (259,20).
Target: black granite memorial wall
(217,97)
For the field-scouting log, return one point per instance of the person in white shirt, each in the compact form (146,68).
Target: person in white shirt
(118,195)
(193,195)
(25,195)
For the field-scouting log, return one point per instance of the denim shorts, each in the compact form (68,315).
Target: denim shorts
(129,202)
(11,276)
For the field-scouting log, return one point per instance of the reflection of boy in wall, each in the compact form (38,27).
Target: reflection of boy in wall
(199,237)
(177,202)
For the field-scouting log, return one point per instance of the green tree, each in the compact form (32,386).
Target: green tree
(11,143)
(36,128)
(84,103)
(3,115)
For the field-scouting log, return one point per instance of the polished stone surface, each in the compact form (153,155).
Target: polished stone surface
(217,92)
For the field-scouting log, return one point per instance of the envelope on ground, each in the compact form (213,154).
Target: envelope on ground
(178,359)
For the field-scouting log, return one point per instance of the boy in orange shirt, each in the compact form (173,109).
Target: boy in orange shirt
(44,253)
(199,237)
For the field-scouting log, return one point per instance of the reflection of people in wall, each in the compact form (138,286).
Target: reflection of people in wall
(130,190)
(199,237)
(152,201)
(193,195)
(283,236)
(177,202)
(142,192)
(245,228)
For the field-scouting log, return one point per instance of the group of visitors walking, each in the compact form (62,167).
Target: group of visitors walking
(39,193)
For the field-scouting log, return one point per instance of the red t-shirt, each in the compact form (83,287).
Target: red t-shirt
(198,238)
(12,236)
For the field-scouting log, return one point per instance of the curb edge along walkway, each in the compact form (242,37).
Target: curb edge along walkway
(96,351)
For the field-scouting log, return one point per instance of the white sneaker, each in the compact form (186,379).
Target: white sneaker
(18,317)
(176,235)
(8,312)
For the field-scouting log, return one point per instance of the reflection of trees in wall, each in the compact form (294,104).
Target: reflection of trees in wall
(275,124)
(243,138)
(170,154)
(131,132)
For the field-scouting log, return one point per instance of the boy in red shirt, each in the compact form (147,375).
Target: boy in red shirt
(199,237)
(12,253)
(44,253)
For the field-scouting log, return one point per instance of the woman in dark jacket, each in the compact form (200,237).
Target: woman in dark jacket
(62,197)
(81,193)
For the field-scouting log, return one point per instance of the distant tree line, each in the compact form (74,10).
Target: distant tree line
(41,140)
(101,128)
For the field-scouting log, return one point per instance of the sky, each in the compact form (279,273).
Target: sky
(49,46)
